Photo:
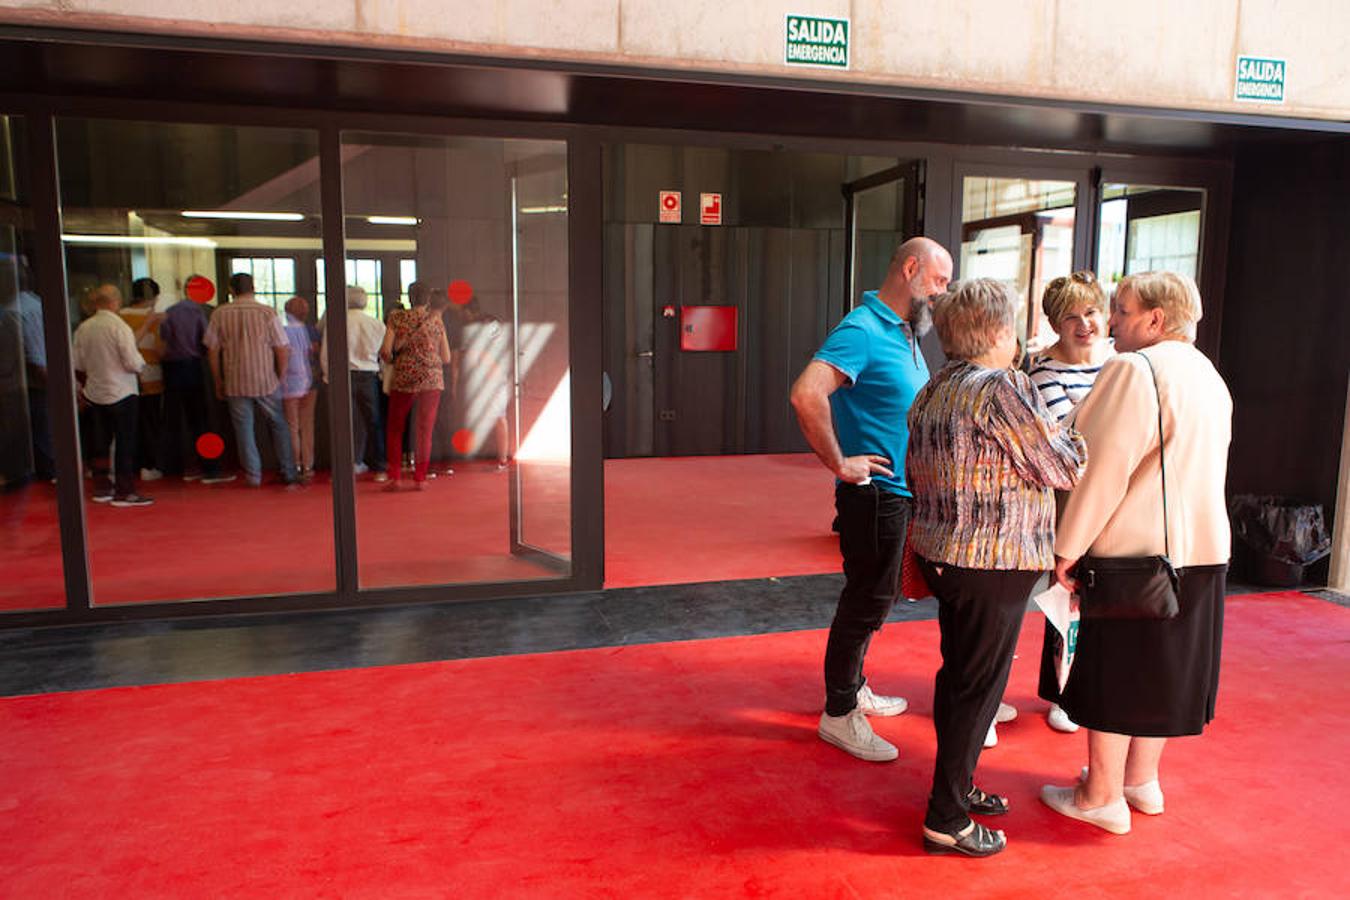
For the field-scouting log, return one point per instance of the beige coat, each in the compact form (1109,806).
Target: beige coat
(1116,509)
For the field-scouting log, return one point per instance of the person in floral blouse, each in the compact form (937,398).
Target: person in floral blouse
(416,346)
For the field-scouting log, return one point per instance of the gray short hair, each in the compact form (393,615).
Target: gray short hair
(972,316)
(1176,295)
(356,297)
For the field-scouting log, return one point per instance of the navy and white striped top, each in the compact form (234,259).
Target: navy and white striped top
(1062,386)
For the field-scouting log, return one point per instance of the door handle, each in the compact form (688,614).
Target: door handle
(645,354)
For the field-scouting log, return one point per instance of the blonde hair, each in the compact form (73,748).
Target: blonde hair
(1177,296)
(971,316)
(1068,292)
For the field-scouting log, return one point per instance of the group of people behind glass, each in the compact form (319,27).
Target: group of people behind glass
(143,375)
(968,463)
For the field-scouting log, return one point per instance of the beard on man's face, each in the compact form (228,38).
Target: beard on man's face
(921,314)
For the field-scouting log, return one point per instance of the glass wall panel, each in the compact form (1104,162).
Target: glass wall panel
(189,256)
(463,423)
(1148,228)
(1019,231)
(30,535)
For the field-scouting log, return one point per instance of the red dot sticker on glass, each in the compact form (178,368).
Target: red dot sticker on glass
(460,292)
(210,446)
(199,289)
(462,441)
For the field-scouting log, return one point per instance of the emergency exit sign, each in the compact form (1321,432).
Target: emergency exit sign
(813,41)
(1259,79)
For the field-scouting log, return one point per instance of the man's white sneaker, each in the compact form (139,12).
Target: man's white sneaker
(852,734)
(1006,713)
(1059,720)
(876,705)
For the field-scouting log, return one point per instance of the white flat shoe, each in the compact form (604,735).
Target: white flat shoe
(1059,720)
(991,736)
(1146,798)
(1006,713)
(1113,817)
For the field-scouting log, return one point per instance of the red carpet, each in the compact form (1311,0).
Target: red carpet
(686,519)
(669,521)
(675,770)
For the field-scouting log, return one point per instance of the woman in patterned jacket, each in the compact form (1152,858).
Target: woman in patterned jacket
(985,457)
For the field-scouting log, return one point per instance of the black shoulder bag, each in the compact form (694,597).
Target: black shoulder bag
(1132,587)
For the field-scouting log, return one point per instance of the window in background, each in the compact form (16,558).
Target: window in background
(273,278)
(362,273)
(1148,228)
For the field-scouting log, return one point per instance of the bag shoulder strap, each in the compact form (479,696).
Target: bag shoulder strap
(1162,457)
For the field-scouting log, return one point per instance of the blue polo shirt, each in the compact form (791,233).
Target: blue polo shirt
(885,370)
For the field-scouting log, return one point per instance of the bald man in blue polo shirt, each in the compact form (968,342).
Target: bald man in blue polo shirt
(852,402)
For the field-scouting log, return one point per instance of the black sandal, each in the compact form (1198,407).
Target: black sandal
(979,841)
(977,801)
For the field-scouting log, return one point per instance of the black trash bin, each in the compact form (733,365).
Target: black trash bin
(1274,538)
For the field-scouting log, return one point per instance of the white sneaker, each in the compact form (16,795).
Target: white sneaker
(1006,713)
(151,474)
(1059,720)
(852,734)
(876,705)
(1113,817)
(991,736)
(360,469)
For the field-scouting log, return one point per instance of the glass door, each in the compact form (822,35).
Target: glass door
(881,210)
(1021,232)
(540,420)
(1146,228)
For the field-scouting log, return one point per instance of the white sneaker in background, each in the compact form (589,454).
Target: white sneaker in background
(876,705)
(852,734)
(1006,713)
(1059,720)
(151,474)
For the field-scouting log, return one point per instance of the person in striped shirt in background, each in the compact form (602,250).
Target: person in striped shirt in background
(1064,372)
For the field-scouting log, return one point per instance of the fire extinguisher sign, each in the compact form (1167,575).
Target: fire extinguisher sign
(669,207)
(710,209)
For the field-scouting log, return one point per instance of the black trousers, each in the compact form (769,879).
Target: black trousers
(980,613)
(44,460)
(367,427)
(150,419)
(114,422)
(872,523)
(185,418)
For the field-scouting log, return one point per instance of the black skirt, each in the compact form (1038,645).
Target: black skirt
(1149,677)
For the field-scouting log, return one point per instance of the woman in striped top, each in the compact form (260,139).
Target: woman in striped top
(1064,373)
(985,456)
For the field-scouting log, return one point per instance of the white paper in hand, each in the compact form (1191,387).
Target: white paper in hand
(1056,605)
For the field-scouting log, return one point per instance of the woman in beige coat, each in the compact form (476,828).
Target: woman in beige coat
(1137,682)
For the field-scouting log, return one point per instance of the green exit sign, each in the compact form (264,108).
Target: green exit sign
(813,41)
(1260,79)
